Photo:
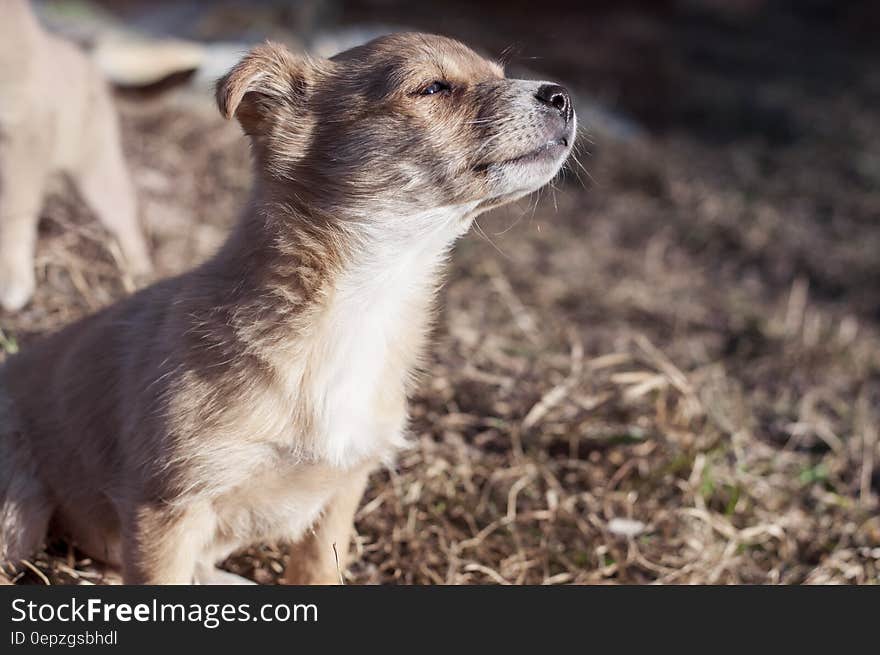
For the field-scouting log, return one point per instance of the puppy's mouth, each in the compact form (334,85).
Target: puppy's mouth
(546,152)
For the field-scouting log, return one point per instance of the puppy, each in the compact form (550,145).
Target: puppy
(56,116)
(247,400)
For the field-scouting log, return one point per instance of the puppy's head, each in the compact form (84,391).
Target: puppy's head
(407,122)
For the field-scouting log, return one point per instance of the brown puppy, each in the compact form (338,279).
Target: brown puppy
(56,116)
(248,400)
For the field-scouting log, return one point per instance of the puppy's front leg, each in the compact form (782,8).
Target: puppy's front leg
(162,544)
(313,559)
(207,574)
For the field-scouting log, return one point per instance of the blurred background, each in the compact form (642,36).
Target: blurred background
(665,368)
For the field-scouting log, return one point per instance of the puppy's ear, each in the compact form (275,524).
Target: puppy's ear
(267,81)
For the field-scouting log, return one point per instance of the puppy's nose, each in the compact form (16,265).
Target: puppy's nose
(556,97)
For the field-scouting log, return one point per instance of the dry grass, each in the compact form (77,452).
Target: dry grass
(671,375)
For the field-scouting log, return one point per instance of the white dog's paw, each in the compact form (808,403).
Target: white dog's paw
(137,259)
(16,287)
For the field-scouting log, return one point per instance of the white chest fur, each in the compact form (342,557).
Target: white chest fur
(367,340)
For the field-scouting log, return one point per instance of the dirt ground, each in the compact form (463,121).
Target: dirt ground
(666,368)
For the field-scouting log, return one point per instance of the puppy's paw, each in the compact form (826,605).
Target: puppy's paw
(16,287)
(210,575)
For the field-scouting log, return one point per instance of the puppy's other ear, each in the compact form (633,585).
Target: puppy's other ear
(268,79)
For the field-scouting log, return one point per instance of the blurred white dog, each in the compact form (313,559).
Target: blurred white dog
(56,116)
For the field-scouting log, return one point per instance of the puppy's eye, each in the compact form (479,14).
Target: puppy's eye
(435,87)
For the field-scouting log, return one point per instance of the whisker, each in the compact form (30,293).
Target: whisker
(515,222)
(482,233)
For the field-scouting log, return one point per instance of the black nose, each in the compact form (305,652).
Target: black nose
(557,97)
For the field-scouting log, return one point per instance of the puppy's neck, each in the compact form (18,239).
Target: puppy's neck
(336,309)
(288,262)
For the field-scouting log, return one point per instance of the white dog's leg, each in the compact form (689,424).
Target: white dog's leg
(22,179)
(106,186)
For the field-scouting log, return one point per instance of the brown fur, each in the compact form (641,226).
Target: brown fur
(248,399)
